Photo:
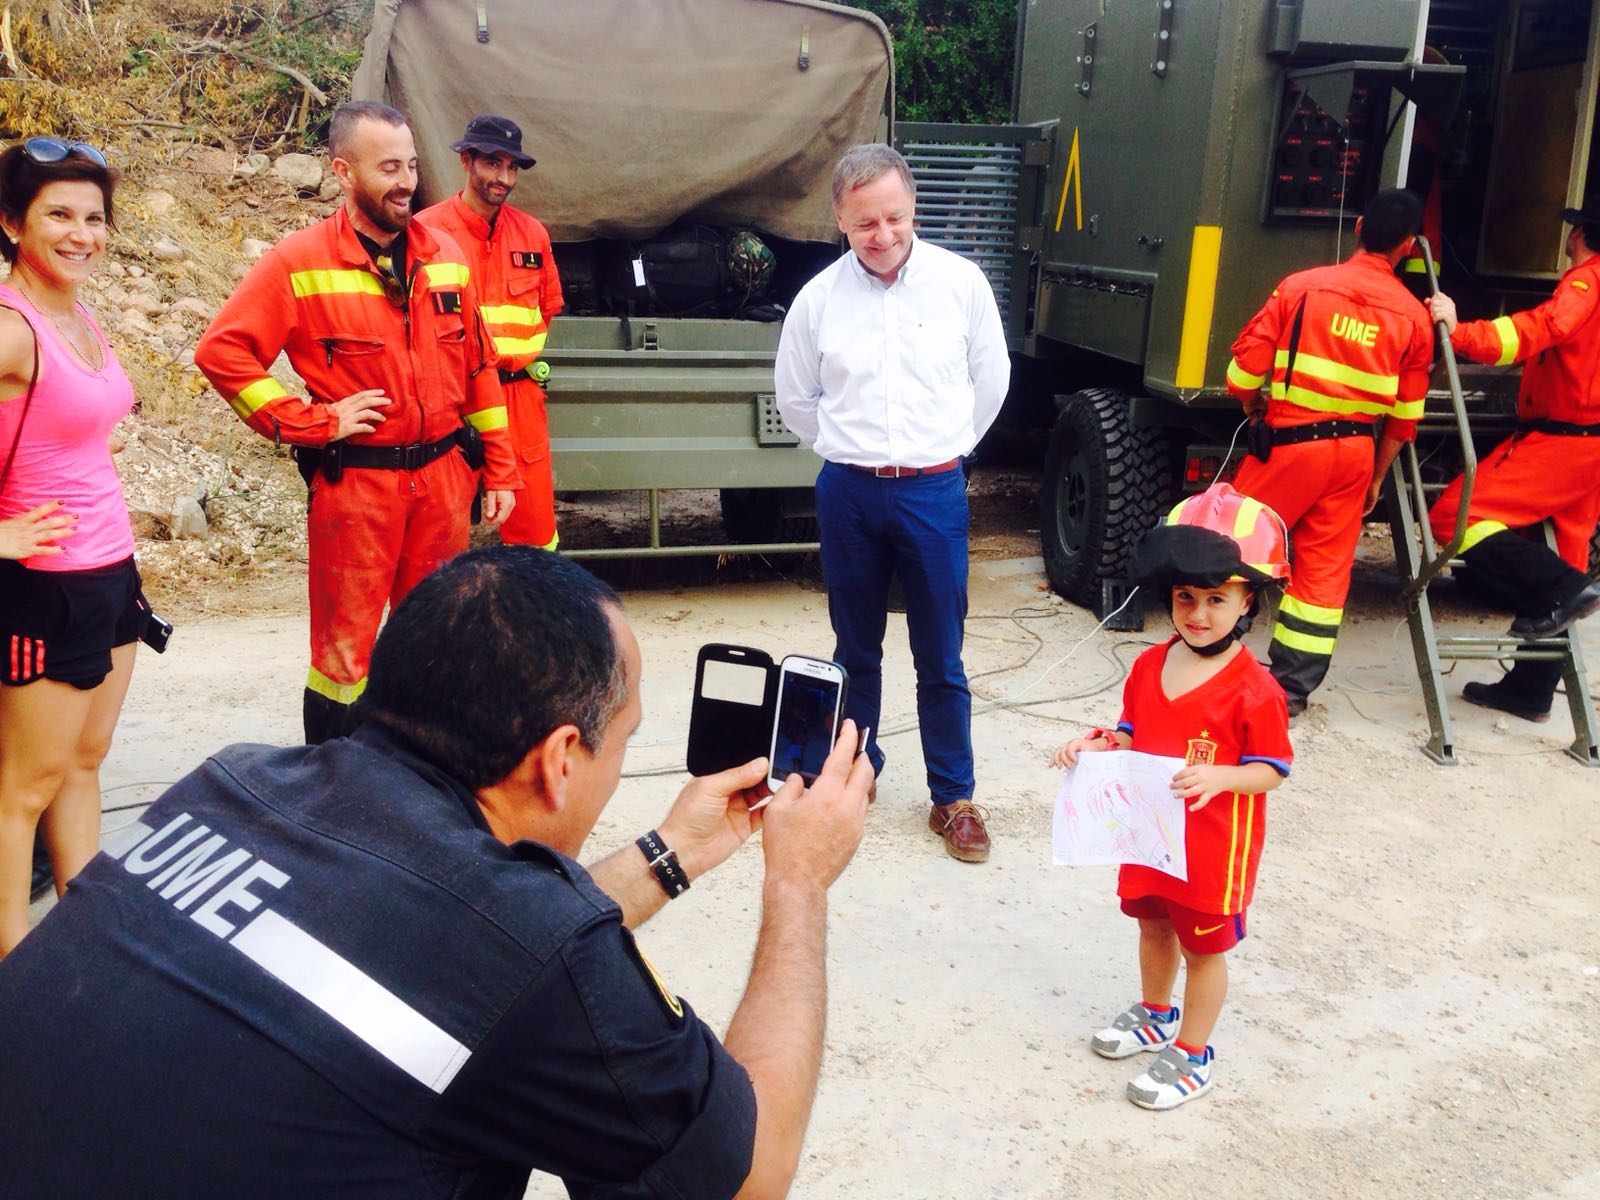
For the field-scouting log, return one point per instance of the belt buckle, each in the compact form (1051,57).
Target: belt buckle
(891,472)
(411,457)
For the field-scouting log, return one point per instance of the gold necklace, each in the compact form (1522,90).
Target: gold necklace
(66,336)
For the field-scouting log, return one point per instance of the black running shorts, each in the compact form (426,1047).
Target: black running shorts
(62,625)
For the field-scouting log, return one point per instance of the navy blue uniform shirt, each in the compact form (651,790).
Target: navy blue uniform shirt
(313,972)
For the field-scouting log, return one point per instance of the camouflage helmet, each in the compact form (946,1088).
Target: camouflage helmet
(751,264)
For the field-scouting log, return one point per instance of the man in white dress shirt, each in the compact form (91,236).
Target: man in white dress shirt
(892,365)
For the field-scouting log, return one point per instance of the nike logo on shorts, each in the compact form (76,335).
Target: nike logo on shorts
(1198,932)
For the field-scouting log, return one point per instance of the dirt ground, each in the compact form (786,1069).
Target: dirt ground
(1413,1013)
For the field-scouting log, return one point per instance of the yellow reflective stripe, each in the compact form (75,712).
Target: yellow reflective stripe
(339,693)
(529,345)
(1311,612)
(511,314)
(1176,515)
(552,543)
(446,274)
(1240,378)
(1477,531)
(1414,266)
(322,283)
(1296,640)
(1509,341)
(1338,372)
(262,391)
(1205,253)
(1406,410)
(1244,521)
(488,418)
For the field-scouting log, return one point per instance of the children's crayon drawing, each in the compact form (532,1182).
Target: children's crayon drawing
(1117,806)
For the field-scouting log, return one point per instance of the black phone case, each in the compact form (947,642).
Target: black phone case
(724,733)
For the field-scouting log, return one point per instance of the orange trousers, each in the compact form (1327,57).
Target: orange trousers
(372,538)
(1526,480)
(533,521)
(1318,488)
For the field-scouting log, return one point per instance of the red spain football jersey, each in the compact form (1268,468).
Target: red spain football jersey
(1237,716)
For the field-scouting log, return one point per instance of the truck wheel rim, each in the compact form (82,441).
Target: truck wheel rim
(1072,505)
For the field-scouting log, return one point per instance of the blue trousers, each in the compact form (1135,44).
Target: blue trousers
(916,528)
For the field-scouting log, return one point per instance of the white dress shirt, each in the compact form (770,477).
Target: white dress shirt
(910,374)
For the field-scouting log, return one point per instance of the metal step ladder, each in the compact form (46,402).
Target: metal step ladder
(1420,562)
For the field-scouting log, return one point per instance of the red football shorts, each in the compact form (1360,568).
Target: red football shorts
(1198,932)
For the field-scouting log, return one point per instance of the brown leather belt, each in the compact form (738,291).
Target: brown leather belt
(905,472)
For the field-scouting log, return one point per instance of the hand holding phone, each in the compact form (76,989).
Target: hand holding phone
(806,724)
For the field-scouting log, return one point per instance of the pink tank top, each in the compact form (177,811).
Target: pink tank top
(64,453)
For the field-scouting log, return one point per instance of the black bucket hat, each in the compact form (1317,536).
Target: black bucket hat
(489,134)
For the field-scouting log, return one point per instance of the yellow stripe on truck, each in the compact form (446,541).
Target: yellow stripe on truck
(1205,255)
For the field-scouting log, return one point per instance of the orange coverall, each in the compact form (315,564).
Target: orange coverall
(1364,352)
(514,272)
(1535,475)
(375,532)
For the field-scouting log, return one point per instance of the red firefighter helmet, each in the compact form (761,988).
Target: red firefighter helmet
(1210,539)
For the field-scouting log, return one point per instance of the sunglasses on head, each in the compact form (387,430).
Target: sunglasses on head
(45,149)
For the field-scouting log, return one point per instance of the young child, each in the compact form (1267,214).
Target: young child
(1203,698)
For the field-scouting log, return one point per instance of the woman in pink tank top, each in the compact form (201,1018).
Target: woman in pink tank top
(71,609)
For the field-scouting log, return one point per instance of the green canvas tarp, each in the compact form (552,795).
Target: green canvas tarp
(642,112)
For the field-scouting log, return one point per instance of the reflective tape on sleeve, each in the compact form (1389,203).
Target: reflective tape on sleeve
(513,346)
(262,392)
(488,418)
(1510,342)
(1240,378)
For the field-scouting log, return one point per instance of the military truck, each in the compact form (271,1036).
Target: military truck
(1172,160)
(685,151)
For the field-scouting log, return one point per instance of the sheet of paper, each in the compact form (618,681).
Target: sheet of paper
(1117,806)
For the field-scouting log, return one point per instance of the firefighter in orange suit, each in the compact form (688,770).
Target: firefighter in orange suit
(1345,347)
(1549,468)
(378,317)
(515,276)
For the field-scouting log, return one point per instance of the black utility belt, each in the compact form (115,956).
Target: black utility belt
(1558,428)
(389,458)
(513,376)
(1261,438)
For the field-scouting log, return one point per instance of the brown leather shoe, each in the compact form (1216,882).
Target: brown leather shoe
(961,826)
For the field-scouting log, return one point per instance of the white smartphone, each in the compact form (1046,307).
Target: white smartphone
(810,699)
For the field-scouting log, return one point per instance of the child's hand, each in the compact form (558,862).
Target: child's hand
(1100,739)
(1202,780)
(1067,756)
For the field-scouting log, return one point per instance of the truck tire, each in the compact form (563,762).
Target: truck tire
(751,516)
(1105,484)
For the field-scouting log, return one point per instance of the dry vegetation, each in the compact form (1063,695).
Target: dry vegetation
(194,101)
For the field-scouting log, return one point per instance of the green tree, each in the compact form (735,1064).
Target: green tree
(952,58)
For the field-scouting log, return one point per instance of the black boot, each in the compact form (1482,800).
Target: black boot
(326,719)
(1523,575)
(1525,691)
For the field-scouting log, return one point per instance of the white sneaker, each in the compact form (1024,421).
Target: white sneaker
(1173,1079)
(1135,1030)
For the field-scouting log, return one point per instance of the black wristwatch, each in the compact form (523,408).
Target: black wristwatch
(664,865)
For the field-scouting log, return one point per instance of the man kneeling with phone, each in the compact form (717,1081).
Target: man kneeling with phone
(374,967)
